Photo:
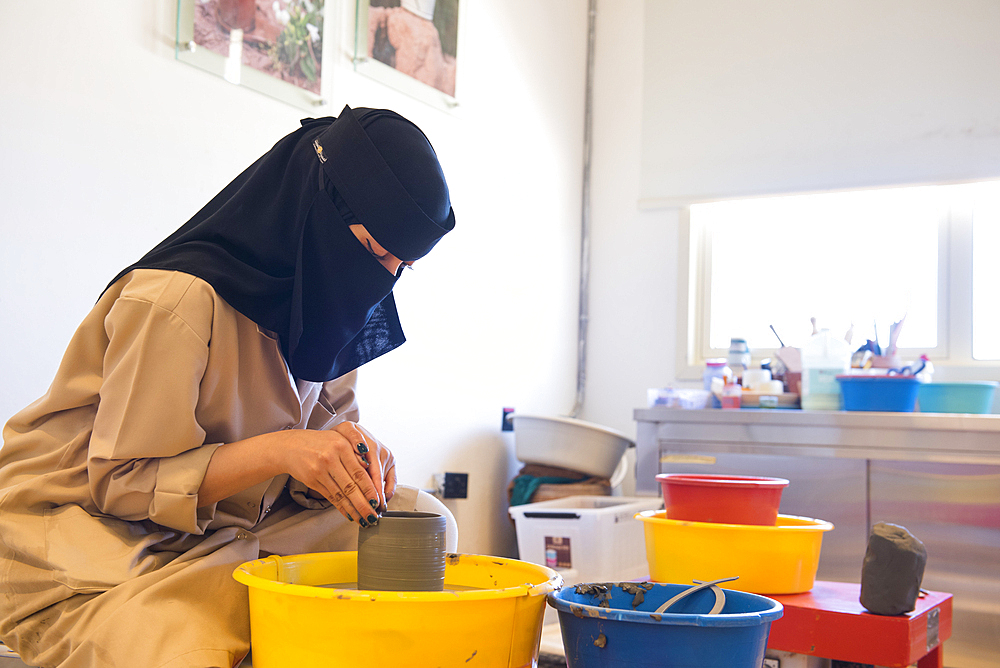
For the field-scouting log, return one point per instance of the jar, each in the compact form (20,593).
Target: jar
(739,357)
(732,395)
(715,368)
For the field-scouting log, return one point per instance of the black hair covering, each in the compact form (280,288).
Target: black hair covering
(275,243)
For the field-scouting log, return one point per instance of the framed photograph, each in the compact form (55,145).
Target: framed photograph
(411,45)
(274,46)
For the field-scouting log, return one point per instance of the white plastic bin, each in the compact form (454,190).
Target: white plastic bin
(598,537)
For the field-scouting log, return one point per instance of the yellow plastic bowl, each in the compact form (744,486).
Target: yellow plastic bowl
(779,559)
(298,619)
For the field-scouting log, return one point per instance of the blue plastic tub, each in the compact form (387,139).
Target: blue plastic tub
(629,635)
(879,393)
(973,397)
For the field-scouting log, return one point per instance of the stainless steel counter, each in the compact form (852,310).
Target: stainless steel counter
(938,475)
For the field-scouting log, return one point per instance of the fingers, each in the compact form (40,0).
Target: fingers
(390,484)
(375,455)
(356,480)
(336,497)
(353,492)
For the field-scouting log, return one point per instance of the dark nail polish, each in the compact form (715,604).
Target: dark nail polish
(362,448)
(349,518)
(372,519)
(363,523)
(373,503)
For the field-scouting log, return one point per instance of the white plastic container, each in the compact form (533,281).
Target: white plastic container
(824,357)
(568,443)
(598,537)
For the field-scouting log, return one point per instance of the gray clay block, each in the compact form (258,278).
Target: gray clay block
(893,570)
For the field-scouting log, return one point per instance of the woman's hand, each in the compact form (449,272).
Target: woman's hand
(347,465)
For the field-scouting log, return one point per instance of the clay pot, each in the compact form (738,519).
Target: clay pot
(404,551)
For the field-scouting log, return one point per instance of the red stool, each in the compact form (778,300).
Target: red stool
(830,622)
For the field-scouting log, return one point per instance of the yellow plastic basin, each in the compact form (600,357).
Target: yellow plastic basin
(780,559)
(490,614)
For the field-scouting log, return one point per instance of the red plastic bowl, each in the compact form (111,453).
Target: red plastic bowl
(727,499)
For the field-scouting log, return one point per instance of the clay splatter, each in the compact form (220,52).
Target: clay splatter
(602,591)
(474,652)
(453,559)
(601,641)
(638,591)
(656,617)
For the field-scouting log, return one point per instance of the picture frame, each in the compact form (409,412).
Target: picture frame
(410,45)
(273,46)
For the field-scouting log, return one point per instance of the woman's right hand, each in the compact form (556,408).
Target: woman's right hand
(359,484)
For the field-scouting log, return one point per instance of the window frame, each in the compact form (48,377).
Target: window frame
(952,358)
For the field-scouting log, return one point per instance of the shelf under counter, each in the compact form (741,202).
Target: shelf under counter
(936,474)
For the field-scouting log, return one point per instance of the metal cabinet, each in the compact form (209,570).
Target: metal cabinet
(937,475)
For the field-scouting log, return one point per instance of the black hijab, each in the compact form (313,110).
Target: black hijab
(275,243)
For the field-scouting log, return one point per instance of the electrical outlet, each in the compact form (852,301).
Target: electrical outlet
(456,485)
(507,424)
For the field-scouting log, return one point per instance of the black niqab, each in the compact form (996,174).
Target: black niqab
(275,243)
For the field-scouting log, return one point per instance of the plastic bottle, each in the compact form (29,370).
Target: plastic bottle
(924,375)
(824,357)
(739,357)
(715,368)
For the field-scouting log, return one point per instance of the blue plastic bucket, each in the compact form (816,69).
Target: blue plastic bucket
(879,393)
(972,397)
(627,633)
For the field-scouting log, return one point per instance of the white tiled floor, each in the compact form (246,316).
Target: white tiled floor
(551,640)
(8,659)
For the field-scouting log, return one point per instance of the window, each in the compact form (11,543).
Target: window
(857,262)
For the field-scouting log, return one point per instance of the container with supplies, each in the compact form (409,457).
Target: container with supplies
(596,536)
(663,625)
(824,357)
(970,397)
(889,393)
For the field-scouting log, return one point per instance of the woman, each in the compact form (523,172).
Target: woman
(204,414)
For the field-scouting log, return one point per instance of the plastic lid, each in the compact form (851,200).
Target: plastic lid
(716,361)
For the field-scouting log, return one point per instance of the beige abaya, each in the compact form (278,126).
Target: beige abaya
(105,557)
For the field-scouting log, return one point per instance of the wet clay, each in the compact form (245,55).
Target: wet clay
(404,551)
(893,570)
(602,591)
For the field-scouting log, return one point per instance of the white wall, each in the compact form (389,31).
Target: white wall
(633,294)
(747,98)
(702,66)
(109,144)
